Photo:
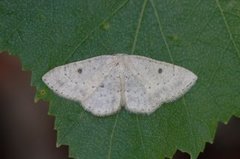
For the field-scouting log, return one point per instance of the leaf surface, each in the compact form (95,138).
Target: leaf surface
(202,36)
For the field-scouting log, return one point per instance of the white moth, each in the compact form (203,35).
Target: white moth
(104,84)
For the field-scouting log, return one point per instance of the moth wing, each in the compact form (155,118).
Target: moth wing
(149,83)
(106,99)
(79,79)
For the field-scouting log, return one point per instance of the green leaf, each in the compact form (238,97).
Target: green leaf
(202,36)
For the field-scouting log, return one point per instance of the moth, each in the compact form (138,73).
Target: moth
(104,84)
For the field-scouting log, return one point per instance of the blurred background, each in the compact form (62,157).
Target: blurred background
(26,129)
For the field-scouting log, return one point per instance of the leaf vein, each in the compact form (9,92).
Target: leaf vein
(69,130)
(217,68)
(141,137)
(191,128)
(94,29)
(139,25)
(228,28)
(161,30)
(111,138)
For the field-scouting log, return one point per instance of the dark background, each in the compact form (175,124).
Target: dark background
(26,129)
